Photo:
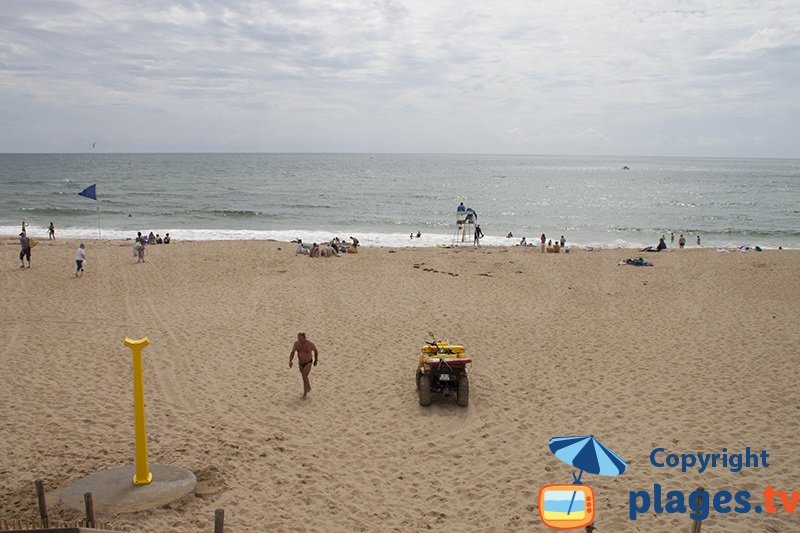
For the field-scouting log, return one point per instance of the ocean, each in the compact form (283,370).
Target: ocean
(383,198)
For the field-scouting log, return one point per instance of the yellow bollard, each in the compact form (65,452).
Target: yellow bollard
(142,476)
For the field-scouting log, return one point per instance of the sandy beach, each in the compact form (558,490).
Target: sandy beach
(693,355)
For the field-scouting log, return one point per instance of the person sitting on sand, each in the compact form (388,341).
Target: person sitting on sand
(314,250)
(301,248)
(523,242)
(662,245)
(304,349)
(328,251)
(151,239)
(166,238)
(159,240)
(556,247)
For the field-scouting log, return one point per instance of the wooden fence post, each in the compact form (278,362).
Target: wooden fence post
(42,503)
(219,520)
(89,502)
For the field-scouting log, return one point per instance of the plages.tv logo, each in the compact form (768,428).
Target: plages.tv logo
(572,505)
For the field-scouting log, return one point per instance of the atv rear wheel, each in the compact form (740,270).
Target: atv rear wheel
(425,393)
(463,391)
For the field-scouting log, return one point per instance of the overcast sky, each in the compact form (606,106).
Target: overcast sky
(649,77)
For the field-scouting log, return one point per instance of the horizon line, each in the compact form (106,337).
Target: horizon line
(474,154)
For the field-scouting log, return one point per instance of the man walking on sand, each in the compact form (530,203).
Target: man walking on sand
(80,259)
(24,250)
(478,235)
(304,349)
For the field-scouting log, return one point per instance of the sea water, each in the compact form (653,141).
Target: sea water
(383,198)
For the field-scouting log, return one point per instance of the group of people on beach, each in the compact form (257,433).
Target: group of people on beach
(334,248)
(681,240)
(546,245)
(26,243)
(142,241)
(662,243)
(156,239)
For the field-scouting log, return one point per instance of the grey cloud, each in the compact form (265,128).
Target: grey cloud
(388,66)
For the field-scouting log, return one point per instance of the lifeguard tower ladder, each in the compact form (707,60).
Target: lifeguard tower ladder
(465,227)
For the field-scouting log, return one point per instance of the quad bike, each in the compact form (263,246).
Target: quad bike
(443,369)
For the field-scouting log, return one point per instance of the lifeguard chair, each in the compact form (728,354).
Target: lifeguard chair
(466,219)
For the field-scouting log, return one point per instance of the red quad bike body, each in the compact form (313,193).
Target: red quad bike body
(442,370)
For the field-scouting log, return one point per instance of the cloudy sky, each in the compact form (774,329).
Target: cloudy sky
(650,77)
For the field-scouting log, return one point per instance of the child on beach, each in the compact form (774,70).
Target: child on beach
(80,259)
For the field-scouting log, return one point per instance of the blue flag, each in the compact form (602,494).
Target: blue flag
(89,192)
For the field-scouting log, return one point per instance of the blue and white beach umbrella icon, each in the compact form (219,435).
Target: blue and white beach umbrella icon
(588,455)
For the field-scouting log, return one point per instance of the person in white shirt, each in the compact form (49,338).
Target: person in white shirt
(80,258)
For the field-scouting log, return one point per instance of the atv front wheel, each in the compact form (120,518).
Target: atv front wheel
(425,393)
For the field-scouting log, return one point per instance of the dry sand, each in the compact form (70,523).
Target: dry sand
(696,354)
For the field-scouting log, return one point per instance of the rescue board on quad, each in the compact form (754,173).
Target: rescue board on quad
(442,370)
